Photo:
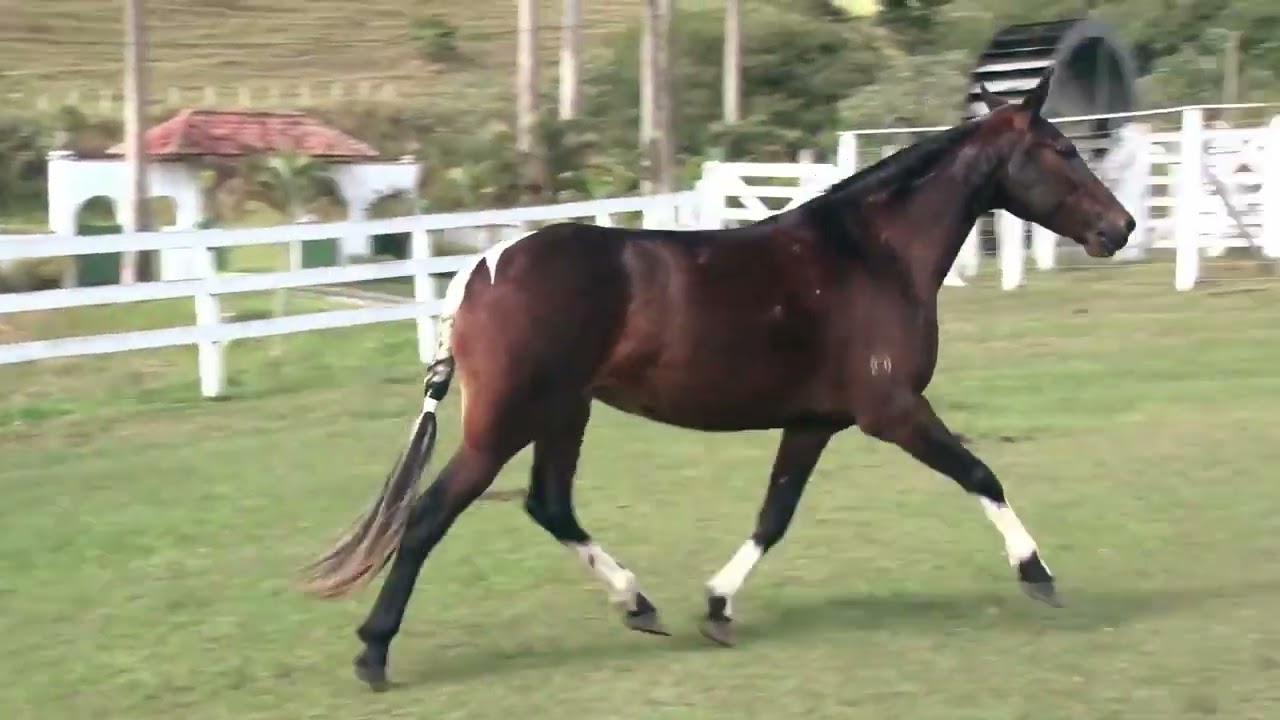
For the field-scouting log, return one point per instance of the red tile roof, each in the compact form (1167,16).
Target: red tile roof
(233,133)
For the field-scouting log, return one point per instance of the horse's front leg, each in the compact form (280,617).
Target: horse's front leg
(797,455)
(915,427)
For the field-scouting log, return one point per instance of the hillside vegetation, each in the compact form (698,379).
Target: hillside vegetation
(55,48)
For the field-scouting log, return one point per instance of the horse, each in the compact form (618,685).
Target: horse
(812,321)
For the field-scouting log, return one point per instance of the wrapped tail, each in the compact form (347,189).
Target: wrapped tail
(357,558)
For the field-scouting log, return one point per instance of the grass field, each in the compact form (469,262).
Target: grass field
(151,541)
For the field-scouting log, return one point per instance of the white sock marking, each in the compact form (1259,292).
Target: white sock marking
(1017,541)
(729,580)
(429,405)
(620,582)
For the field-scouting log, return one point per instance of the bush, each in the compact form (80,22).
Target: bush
(31,274)
(436,38)
(23,147)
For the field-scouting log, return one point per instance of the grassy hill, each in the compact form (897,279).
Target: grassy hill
(272,49)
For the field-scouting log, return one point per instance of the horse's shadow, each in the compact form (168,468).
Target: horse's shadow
(908,612)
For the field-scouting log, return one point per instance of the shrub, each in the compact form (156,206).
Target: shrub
(436,38)
(26,275)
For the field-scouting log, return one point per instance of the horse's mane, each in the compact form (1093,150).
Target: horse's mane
(906,167)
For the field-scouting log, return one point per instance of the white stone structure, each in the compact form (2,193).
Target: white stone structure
(73,181)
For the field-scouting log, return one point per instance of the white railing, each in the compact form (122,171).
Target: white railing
(210,334)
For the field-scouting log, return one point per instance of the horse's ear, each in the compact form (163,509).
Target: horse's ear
(1034,102)
(990,99)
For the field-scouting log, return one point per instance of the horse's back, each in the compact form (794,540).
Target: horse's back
(549,302)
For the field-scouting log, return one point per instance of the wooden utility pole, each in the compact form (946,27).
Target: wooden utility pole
(1231,69)
(527,86)
(570,62)
(135,217)
(646,92)
(732,70)
(659,147)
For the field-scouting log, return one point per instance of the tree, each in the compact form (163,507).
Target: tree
(291,183)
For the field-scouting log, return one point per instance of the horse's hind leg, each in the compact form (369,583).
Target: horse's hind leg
(798,454)
(918,430)
(556,448)
(464,478)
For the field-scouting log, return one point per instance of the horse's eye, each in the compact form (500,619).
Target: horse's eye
(1067,151)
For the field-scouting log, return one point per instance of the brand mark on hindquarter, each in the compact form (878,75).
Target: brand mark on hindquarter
(881,365)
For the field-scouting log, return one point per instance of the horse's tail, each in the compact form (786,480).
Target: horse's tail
(363,551)
(361,554)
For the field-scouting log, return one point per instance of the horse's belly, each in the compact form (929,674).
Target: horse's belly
(714,416)
(722,401)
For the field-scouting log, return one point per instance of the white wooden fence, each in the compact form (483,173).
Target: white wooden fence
(210,334)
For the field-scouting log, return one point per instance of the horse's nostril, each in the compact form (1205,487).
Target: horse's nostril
(1129,224)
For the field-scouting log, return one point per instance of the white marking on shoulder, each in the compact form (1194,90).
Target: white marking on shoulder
(458,285)
(881,365)
(495,252)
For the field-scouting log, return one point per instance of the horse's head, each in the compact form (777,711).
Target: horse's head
(1044,180)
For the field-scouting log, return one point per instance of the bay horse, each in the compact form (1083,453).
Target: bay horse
(812,321)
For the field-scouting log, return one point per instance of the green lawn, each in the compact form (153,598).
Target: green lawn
(151,542)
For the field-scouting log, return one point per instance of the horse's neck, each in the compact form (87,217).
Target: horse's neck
(939,229)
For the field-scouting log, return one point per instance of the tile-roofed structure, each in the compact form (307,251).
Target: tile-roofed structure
(236,133)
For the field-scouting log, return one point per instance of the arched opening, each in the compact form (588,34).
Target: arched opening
(328,203)
(97,216)
(162,211)
(391,245)
(396,204)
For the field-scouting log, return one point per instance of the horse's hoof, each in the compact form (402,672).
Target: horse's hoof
(719,632)
(645,623)
(1043,592)
(371,673)
(644,618)
(1036,581)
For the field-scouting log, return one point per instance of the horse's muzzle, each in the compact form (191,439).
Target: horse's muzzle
(1109,236)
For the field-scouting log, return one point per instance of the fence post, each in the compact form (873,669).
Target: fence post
(1271,190)
(1135,187)
(687,209)
(847,153)
(970,254)
(1190,200)
(1012,249)
(424,293)
(1044,247)
(210,351)
(710,197)
(659,213)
